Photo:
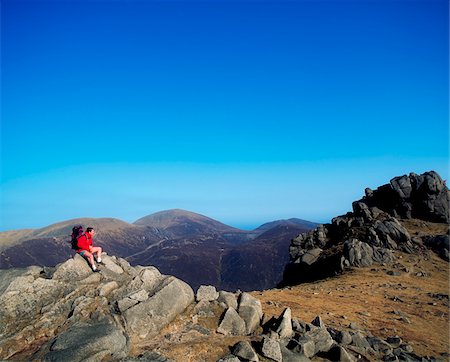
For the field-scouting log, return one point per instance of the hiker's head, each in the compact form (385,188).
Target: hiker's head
(90,230)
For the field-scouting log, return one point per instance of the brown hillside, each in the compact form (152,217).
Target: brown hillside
(413,305)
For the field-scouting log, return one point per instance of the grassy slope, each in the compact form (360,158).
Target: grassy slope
(369,297)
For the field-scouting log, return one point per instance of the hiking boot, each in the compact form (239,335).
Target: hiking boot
(96,271)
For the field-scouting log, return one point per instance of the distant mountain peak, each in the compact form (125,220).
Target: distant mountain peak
(175,217)
(285,222)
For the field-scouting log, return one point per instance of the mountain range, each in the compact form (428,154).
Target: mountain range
(374,284)
(190,246)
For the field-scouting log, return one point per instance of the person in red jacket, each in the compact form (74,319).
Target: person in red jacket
(87,250)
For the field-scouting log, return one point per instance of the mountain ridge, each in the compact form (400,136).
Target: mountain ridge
(150,220)
(188,245)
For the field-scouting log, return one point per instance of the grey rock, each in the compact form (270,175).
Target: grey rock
(343,337)
(251,317)
(248,300)
(304,345)
(311,256)
(358,253)
(207,293)
(406,347)
(284,324)
(402,186)
(24,298)
(125,265)
(290,356)
(94,278)
(380,346)
(394,341)
(73,269)
(245,351)
(140,296)
(99,339)
(7,276)
(150,278)
(204,309)
(339,353)
(358,340)
(393,273)
(440,243)
(126,303)
(318,322)
(390,358)
(112,264)
(361,209)
(297,325)
(419,196)
(382,255)
(322,339)
(271,349)
(149,317)
(132,299)
(231,324)
(229,299)
(107,288)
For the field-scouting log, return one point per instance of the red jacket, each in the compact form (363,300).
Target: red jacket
(84,242)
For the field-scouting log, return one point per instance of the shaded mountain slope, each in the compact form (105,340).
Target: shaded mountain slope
(179,223)
(259,264)
(51,245)
(293,222)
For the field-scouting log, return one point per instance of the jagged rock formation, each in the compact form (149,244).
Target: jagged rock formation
(372,231)
(48,313)
(424,197)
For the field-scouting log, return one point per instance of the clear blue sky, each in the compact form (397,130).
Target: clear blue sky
(245,111)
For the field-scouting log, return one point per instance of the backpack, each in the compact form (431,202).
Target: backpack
(77,231)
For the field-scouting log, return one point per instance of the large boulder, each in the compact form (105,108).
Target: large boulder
(147,318)
(232,324)
(89,342)
(74,269)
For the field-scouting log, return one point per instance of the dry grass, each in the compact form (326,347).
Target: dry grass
(379,303)
(417,227)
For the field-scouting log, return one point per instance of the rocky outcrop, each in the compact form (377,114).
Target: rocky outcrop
(372,232)
(424,197)
(47,313)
